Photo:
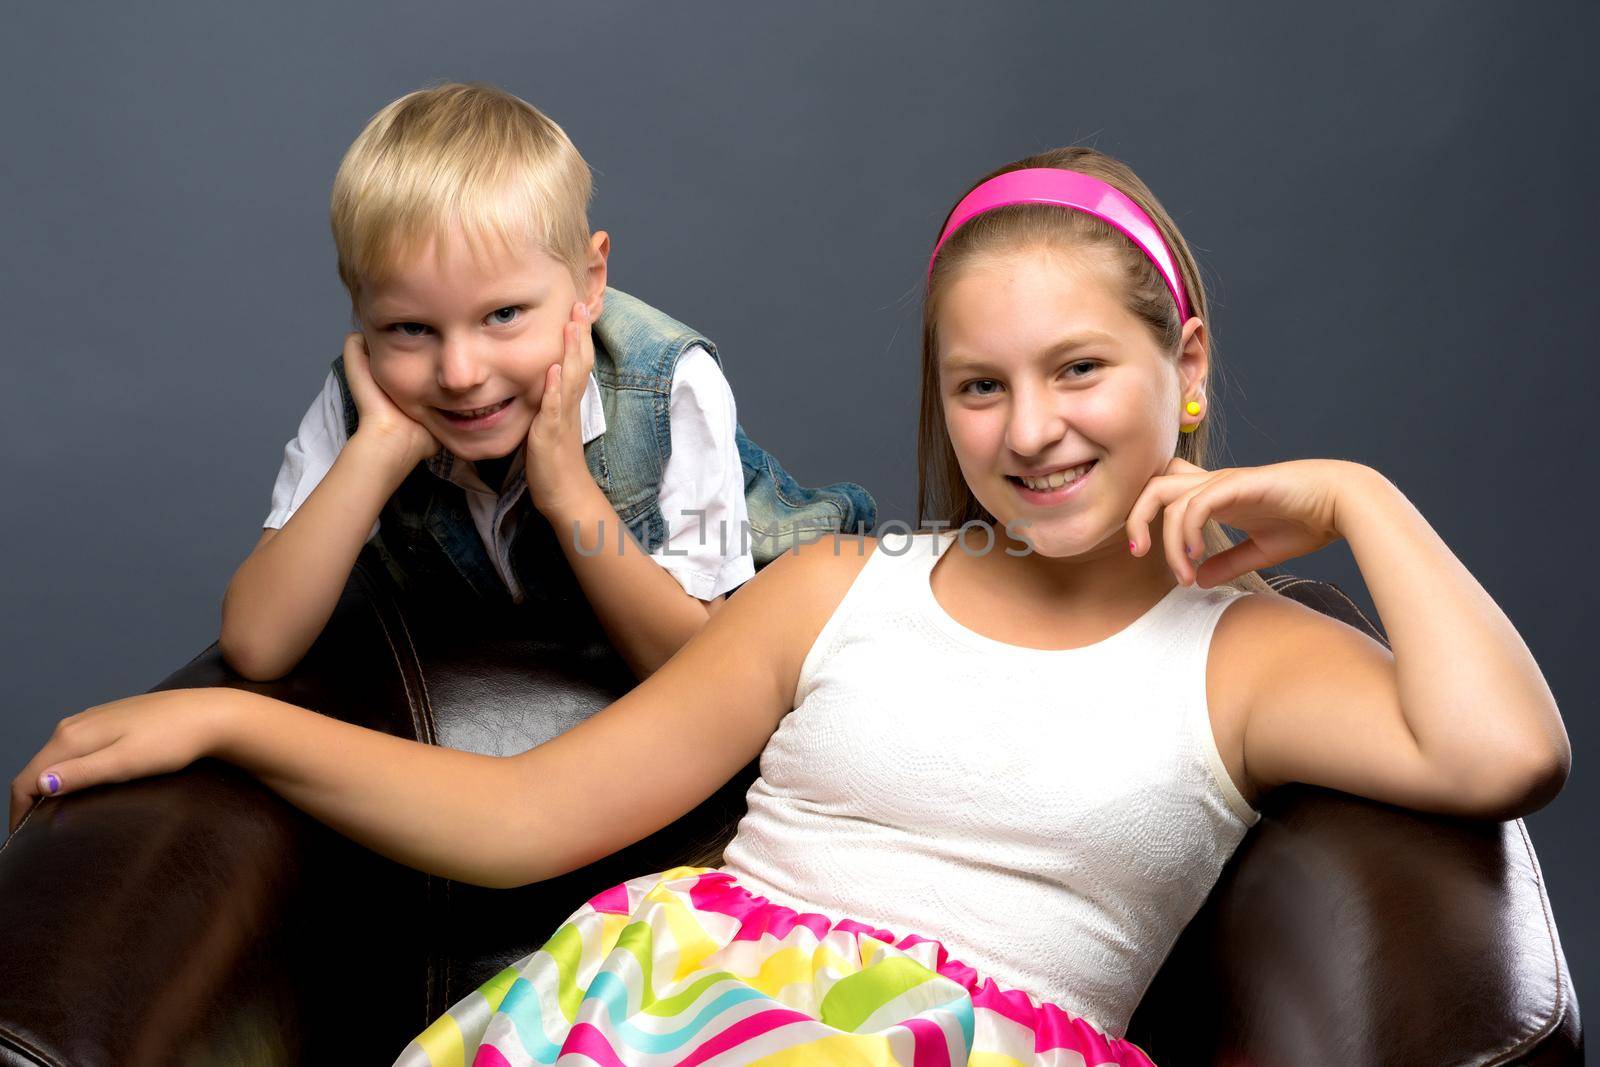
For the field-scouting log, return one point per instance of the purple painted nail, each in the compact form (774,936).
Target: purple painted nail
(51,782)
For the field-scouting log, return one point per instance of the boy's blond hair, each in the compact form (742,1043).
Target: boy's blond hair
(458,154)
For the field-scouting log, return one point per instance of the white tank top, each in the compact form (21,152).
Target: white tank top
(1053,818)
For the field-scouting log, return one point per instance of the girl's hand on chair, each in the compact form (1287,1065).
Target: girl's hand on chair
(554,463)
(153,733)
(1287,509)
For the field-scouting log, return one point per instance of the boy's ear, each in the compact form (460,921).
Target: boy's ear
(595,273)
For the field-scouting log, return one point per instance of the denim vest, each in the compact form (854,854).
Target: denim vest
(427,537)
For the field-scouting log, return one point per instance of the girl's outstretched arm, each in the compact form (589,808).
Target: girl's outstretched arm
(497,821)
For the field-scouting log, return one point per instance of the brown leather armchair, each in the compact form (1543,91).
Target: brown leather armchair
(198,919)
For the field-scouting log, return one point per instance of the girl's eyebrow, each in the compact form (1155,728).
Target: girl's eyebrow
(962,361)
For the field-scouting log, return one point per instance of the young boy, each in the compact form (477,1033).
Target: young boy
(501,416)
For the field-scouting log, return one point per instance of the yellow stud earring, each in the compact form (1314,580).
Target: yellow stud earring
(1193,408)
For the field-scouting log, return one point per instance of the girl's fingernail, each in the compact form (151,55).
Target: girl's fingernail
(51,782)
(1133,546)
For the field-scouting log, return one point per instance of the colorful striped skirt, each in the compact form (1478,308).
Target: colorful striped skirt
(688,967)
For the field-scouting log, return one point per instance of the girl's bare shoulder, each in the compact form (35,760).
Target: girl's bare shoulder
(786,605)
(816,575)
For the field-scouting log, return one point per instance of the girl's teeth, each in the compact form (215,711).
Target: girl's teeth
(1056,480)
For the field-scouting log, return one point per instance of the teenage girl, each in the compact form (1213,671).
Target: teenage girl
(1001,764)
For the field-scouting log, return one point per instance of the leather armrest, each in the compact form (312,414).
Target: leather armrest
(186,918)
(1345,931)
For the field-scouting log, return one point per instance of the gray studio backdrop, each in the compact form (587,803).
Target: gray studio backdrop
(1391,201)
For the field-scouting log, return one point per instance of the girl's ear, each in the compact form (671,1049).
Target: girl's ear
(1194,356)
(595,273)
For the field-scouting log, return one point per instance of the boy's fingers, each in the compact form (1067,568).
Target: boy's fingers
(355,349)
(572,351)
(358,370)
(566,378)
(586,344)
(569,343)
(550,402)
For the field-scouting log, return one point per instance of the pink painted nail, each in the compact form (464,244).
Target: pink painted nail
(1133,546)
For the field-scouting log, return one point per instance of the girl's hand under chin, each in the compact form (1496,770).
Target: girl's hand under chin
(556,470)
(1287,509)
(153,733)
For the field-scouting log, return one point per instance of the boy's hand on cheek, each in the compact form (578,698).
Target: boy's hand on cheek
(381,418)
(556,472)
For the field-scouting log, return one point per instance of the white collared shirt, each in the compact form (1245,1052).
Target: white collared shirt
(702,474)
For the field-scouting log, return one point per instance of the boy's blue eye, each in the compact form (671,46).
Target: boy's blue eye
(405,329)
(496,315)
(1082,363)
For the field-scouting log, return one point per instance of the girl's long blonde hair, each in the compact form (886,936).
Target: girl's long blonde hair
(942,493)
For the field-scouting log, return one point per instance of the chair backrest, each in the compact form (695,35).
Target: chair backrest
(1327,598)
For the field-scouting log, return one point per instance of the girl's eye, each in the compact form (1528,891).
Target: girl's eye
(505,316)
(971,387)
(1082,363)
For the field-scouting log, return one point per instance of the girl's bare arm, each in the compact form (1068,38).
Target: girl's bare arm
(1457,720)
(629,770)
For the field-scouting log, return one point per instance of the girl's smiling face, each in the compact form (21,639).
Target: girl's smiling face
(1043,370)
(453,335)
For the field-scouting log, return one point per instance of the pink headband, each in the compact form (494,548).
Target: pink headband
(1080,192)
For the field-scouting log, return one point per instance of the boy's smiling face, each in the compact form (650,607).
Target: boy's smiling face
(462,344)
